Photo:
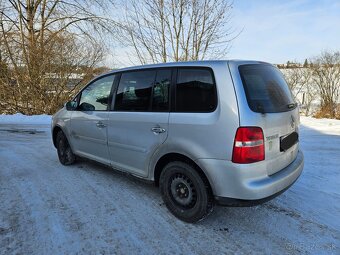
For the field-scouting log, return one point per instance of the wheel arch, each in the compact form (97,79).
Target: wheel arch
(55,131)
(170,157)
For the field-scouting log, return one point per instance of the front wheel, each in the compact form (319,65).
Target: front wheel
(185,193)
(65,154)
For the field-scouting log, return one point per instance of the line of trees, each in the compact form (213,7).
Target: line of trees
(317,80)
(49,48)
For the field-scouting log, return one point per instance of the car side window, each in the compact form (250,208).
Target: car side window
(195,90)
(96,96)
(160,97)
(134,91)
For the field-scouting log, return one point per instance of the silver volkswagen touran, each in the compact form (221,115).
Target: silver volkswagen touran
(206,132)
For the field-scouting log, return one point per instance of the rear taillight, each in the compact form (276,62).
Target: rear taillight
(248,145)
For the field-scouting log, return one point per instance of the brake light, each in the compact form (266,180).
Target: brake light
(248,145)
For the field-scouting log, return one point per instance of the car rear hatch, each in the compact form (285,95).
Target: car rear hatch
(265,101)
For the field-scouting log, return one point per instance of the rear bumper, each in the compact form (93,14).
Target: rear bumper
(248,184)
(227,201)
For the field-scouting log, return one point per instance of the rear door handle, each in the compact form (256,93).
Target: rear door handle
(158,130)
(100,124)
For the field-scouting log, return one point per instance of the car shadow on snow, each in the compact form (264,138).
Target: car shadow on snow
(221,217)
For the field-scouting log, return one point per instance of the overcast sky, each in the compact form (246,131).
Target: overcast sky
(280,30)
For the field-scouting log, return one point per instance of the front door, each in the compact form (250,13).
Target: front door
(138,124)
(89,122)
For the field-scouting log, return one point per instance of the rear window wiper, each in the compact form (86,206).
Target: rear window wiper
(291,106)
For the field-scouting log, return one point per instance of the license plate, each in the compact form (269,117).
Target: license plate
(288,141)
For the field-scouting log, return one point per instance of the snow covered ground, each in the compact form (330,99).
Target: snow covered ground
(24,119)
(47,208)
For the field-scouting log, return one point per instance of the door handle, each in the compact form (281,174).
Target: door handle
(100,124)
(158,130)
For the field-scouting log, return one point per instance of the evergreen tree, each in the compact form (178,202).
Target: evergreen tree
(305,64)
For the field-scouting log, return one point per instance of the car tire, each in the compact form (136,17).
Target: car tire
(185,193)
(65,154)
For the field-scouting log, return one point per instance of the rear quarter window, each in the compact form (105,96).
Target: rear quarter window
(266,89)
(195,90)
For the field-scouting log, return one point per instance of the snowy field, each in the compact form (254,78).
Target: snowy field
(47,208)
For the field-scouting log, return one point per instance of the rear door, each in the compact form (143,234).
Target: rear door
(138,123)
(89,122)
(265,100)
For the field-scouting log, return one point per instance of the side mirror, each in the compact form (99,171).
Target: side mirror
(71,105)
(86,107)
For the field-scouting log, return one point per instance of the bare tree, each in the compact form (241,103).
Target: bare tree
(177,30)
(301,84)
(326,75)
(308,97)
(46,45)
(296,78)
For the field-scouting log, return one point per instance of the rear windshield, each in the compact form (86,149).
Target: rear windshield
(266,89)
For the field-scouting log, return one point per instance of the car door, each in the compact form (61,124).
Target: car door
(138,124)
(89,122)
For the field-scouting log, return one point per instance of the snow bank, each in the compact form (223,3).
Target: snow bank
(19,118)
(325,126)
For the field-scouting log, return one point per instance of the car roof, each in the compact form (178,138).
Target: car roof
(203,63)
(206,63)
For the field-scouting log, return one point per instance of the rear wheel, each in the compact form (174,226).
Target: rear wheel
(185,193)
(65,154)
